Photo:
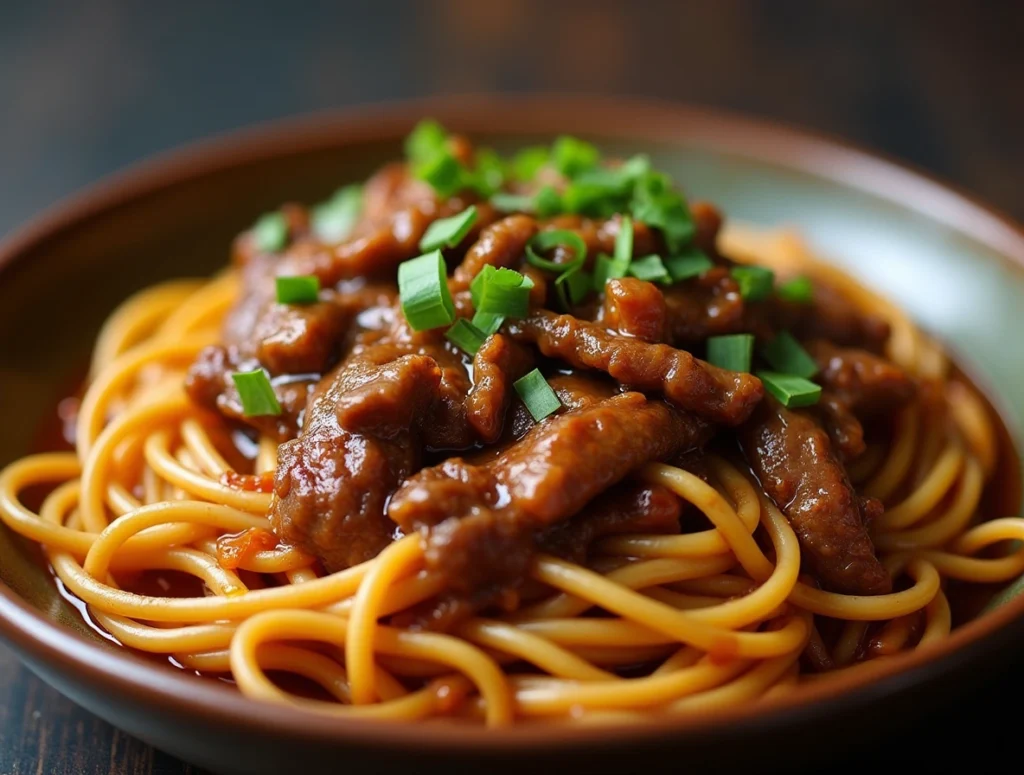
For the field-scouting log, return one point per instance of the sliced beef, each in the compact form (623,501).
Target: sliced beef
(716,394)
(635,308)
(501,245)
(833,317)
(496,365)
(333,482)
(627,508)
(600,236)
(493,510)
(707,221)
(793,459)
(708,305)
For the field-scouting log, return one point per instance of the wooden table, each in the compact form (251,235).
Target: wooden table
(99,85)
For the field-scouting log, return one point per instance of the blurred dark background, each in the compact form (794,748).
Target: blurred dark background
(89,87)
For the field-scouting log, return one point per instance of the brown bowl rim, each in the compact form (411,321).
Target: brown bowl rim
(835,160)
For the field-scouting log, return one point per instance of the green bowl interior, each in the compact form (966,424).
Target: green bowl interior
(54,300)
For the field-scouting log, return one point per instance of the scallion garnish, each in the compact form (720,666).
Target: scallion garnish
(488,172)
(656,204)
(527,163)
(785,355)
(546,240)
(798,290)
(448,232)
(423,289)
(733,352)
(649,268)
(755,282)
(572,156)
(487,323)
(270,232)
(333,220)
(256,393)
(537,394)
(689,264)
(443,172)
(573,286)
(466,336)
(297,289)
(426,139)
(547,202)
(502,292)
(789,389)
(607,268)
(513,203)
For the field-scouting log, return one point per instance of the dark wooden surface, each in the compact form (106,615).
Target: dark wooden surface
(87,88)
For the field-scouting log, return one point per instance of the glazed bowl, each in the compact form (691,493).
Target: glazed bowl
(955,265)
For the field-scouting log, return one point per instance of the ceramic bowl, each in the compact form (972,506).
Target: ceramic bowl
(954,264)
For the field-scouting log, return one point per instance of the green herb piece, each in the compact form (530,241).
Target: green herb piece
(537,394)
(528,162)
(755,282)
(572,156)
(573,286)
(502,292)
(466,336)
(333,220)
(733,352)
(785,355)
(691,263)
(449,232)
(798,290)
(270,232)
(789,389)
(256,393)
(546,240)
(298,289)
(649,268)
(423,290)
(513,203)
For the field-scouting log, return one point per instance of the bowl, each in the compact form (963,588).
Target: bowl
(956,265)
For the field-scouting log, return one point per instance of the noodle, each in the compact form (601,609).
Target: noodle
(719,616)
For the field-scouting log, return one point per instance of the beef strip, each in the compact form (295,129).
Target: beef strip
(832,316)
(635,308)
(501,245)
(857,385)
(628,507)
(497,364)
(708,305)
(600,236)
(492,511)
(332,482)
(792,457)
(716,394)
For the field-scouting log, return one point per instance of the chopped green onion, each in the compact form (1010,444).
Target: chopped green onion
(488,172)
(657,205)
(573,286)
(527,163)
(616,181)
(487,323)
(790,390)
(449,232)
(649,268)
(443,172)
(589,199)
(466,336)
(687,265)
(513,203)
(755,282)
(607,268)
(333,220)
(537,394)
(423,289)
(256,393)
(547,202)
(427,139)
(785,355)
(299,289)
(798,290)
(546,240)
(572,156)
(502,292)
(270,232)
(624,240)
(733,352)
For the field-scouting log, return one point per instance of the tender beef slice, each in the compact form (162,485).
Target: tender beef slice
(627,508)
(709,305)
(868,384)
(708,222)
(792,457)
(635,308)
(857,385)
(501,244)
(496,365)
(600,235)
(332,482)
(715,394)
(545,478)
(209,384)
(300,339)
(833,317)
